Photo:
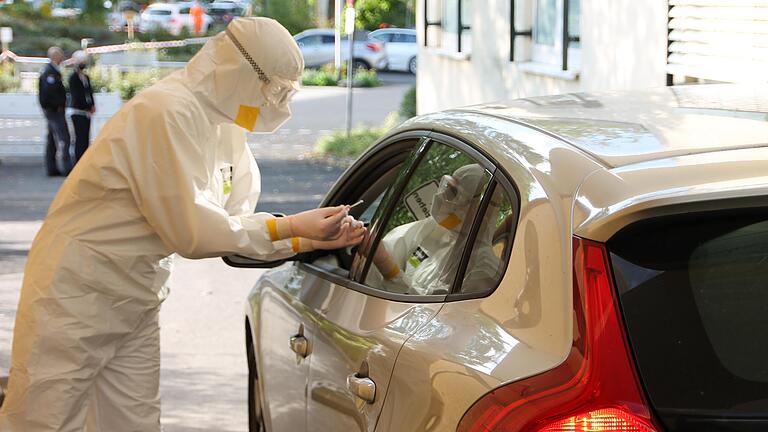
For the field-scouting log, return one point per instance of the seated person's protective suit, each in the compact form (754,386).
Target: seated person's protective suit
(169,173)
(420,257)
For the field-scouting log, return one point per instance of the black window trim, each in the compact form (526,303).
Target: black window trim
(499,178)
(461,27)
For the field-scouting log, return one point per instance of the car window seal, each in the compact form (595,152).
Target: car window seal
(365,289)
(477,220)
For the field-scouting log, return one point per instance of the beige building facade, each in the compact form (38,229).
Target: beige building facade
(474,51)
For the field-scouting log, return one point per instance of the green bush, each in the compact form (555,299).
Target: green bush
(128,84)
(366,78)
(359,139)
(372,13)
(295,15)
(408,105)
(318,77)
(8,81)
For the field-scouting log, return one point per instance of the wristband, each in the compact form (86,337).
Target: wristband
(301,244)
(279,228)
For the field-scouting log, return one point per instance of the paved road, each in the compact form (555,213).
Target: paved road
(203,375)
(317,112)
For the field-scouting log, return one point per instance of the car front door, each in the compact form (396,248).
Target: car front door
(310,46)
(359,320)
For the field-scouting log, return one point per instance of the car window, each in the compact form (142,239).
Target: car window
(403,37)
(184,11)
(422,241)
(159,12)
(493,240)
(384,37)
(693,295)
(309,40)
(328,39)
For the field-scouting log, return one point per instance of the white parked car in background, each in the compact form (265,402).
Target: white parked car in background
(401,47)
(172,17)
(317,48)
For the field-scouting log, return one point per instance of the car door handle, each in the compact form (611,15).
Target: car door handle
(362,387)
(300,345)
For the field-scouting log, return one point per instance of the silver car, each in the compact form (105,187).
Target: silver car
(606,271)
(401,48)
(317,47)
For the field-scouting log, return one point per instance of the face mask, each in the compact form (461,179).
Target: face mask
(276,92)
(445,204)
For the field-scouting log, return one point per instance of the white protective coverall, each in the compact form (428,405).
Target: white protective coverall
(169,173)
(424,251)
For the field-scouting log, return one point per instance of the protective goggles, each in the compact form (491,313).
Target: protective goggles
(276,90)
(449,188)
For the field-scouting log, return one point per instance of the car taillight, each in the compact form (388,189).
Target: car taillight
(172,20)
(594,389)
(373,46)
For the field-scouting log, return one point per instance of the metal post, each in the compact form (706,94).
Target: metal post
(337,38)
(350,30)
(461,26)
(566,36)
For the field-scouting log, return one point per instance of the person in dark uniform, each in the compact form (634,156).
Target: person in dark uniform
(53,100)
(81,105)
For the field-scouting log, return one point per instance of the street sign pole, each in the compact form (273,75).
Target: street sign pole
(349,24)
(6,37)
(337,38)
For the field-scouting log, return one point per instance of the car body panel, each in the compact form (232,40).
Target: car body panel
(524,327)
(623,128)
(282,373)
(609,200)
(352,328)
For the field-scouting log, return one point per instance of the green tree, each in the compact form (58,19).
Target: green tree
(372,13)
(295,15)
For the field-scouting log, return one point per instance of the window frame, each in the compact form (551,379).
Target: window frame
(499,178)
(461,27)
(562,54)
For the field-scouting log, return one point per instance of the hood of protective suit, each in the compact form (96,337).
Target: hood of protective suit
(245,74)
(456,195)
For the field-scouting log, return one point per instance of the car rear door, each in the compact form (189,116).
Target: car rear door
(360,323)
(400,50)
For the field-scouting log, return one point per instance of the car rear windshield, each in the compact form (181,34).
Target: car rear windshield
(694,293)
(159,12)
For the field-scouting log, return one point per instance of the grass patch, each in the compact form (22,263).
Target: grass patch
(408,104)
(359,139)
(318,77)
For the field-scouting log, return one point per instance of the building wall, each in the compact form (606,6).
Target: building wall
(623,46)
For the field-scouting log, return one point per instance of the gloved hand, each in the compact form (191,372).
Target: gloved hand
(352,233)
(324,223)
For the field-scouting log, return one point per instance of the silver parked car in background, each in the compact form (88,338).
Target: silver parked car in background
(603,270)
(401,48)
(317,48)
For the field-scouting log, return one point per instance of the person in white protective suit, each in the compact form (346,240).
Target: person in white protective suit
(420,257)
(169,173)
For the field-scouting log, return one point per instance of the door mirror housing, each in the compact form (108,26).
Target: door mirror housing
(241,261)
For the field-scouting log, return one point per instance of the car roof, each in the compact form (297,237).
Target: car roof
(622,128)
(164,6)
(394,30)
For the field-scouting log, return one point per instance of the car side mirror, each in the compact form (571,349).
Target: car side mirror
(241,261)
